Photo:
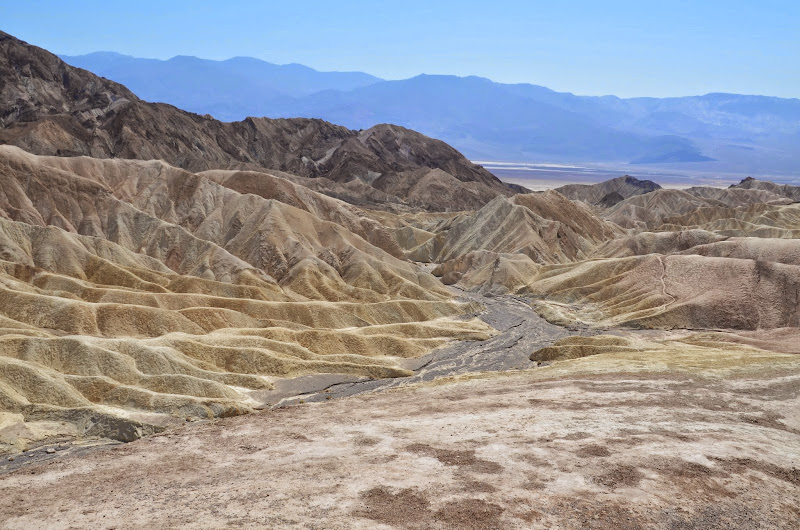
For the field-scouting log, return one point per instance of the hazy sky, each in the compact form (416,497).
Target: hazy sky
(627,48)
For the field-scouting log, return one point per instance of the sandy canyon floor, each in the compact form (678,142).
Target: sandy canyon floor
(705,439)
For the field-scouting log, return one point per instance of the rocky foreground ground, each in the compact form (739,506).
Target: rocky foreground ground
(626,440)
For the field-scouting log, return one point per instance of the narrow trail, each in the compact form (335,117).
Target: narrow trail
(521,332)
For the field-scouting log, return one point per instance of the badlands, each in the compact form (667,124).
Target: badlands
(286,323)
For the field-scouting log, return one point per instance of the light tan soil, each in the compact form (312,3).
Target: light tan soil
(583,443)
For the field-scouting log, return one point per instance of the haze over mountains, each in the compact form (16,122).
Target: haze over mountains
(223,89)
(483,119)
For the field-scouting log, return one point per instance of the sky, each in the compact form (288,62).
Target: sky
(625,48)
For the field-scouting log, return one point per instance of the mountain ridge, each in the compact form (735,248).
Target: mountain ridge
(57,109)
(543,88)
(202,85)
(485,119)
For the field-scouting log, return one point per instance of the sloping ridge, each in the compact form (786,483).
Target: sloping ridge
(649,211)
(52,108)
(546,227)
(702,258)
(134,294)
(506,241)
(686,291)
(783,190)
(624,187)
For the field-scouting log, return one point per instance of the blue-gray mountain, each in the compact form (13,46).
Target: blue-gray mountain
(230,90)
(483,119)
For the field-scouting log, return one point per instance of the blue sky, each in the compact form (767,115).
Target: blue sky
(626,48)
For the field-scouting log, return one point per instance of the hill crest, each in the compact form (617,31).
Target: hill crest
(51,108)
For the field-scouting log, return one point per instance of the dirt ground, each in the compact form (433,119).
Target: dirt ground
(585,443)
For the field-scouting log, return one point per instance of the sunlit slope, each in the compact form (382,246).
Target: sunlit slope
(704,258)
(131,287)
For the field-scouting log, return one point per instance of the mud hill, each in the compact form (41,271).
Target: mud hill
(674,291)
(701,258)
(132,288)
(784,190)
(610,192)
(52,108)
(548,228)
(650,211)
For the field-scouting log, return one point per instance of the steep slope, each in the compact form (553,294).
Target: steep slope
(281,188)
(759,249)
(737,197)
(702,258)
(52,108)
(758,220)
(648,211)
(644,243)
(546,227)
(501,245)
(783,190)
(133,294)
(666,292)
(633,203)
(652,210)
(610,192)
(131,202)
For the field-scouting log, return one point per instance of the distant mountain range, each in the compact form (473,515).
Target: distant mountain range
(230,90)
(483,119)
(48,107)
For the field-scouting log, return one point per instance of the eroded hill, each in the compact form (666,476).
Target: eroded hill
(52,108)
(141,292)
(702,258)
